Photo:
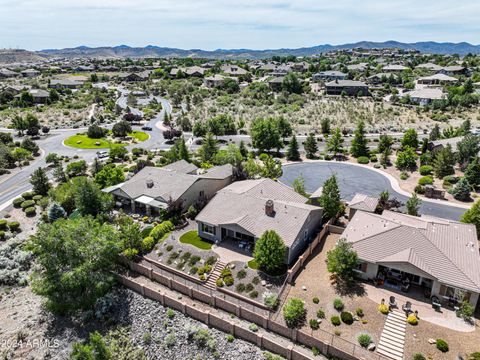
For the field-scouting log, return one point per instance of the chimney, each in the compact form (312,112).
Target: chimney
(269,210)
(149,183)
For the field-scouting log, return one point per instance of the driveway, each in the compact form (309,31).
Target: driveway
(355,179)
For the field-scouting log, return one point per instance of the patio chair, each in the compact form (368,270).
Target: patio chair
(392,302)
(436,303)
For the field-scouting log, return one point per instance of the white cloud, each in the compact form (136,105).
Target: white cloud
(210,24)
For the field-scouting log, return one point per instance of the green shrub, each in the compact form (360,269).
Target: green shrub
(230,338)
(363,160)
(18,202)
(335,320)
(426,170)
(359,312)
(3,224)
(37,198)
(442,345)
(364,340)
(27,204)
(170,313)
(147,244)
(226,272)
(418,356)
(228,280)
(270,300)
(294,312)
(315,351)
(2,235)
(451,179)
(316,300)
(30,211)
(256,280)
(320,314)
(249,287)
(425,180)
(314,324)
(241,274)
(169,247)
(240,287)
(210,260)
(346,317)
(28,195)
(338,304)
(130,253)
(404,175)
(253,294)
(146,231)
(253,327)
(147,338)
(419,189)
(161,229)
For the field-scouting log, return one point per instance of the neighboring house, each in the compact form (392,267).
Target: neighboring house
(362,202)
(133,77)
(440,144)
(276,83)
(395,68)
(214,81)
(192,71)
(244,210)
(30,73)
(5,73)
(330,75)
(429,66)
(233,70)
(437,79)
(65,84)
(40,96)
(357,67)
(348,87)
(182,183)
(380,78)
(439,257)
(425,96)
(453,70)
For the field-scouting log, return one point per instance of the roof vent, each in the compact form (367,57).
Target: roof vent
(149,183)
(269,208)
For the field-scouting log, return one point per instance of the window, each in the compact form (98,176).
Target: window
(202,194)
(362,267)
(208,229)
(454,293)
(305,235)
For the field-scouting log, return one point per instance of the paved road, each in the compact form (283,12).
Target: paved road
(355,179)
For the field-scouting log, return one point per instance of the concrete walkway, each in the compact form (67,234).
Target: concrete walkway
(392,340)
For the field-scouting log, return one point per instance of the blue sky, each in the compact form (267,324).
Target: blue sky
(212,24)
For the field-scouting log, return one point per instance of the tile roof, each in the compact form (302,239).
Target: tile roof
(363,202)
(445,250)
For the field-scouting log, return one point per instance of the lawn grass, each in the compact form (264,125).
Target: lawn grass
(252,264)
(192,238)
(88,143)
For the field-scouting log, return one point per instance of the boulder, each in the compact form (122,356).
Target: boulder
(432,341)
(371,347)
(304,288)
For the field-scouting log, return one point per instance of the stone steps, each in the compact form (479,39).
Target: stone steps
(392,339)
(212,279)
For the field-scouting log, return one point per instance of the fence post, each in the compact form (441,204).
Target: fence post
(207,318)
(289,352)
(151,273)
(259,340)
(142,290)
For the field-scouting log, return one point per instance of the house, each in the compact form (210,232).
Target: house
(357,67)
(233,70)
(192,71)
(441,143)
(330,75)
(40,96)
(214,81)
(381,78)
(65,84)
(395,68)
(429,66)
(5,73)
(244,210)
(134,77)
(180,183)
(276,83)
(453,70)
(425,96)
(362,202)
(438,257)
(437,79)
(347,87)
(30,73)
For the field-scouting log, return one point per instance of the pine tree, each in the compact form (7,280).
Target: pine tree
(59,174)
(209,148)
(183,152)
(444,162)
(39,181)
(359,143)
(435,133)
(461,190)
(310,146)
(292,152)
(243,150)
(56,212)
(330,199)
(472,174)
(413,204)
(335,143)
(472,216)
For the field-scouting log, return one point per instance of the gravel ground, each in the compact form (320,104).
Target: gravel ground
(22,317)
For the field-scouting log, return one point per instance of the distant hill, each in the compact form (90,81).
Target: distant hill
(20,56)
(124,51)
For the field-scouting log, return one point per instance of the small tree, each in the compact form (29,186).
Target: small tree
(325,125)
(342,260)
(472,216)
(209,148)
(406,159)
(335,143)
(270,251)
(444,162)
(292,152)
(310,146)
(359,142)
(413,205)
(121,129)
(56,212)
(410,139)
(299,185)
(461,190)
(330,199)
(472,173)
(95,132)
(294,312)
(39,181)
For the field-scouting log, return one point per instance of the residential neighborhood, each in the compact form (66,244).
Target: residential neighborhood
(195,181)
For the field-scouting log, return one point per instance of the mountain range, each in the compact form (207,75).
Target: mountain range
(124,51)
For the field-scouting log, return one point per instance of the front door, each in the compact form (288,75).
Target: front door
(224,234)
